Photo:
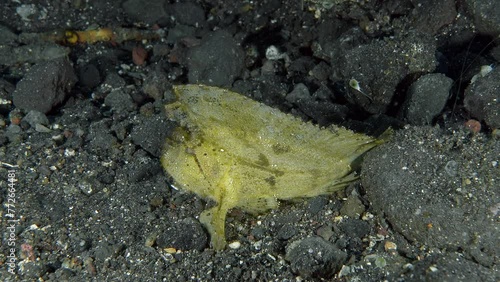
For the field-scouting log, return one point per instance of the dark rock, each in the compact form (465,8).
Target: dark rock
(145,168)
(299,93)
(353,207)
(187,13)
(325,232)
(100,137)
(105,251)
(187,234)
(286,232)
(355,228)
(45,86)
(121,129)
(82,112)
(7,36)
(139,98)
(426,98)
(180,31)
(13,133)
(217,61)
(151,133)
(430,15)
(148,11)
(33,270)
(333,40)
(258,232)
(398,57)
(33,53)
(302,65)
(407,180)
(486,16)
(120,101)
(314,257)
(106,177)
(89,76)
(89,185)
(33,118)
(324,112)
(450,267)
(321,71)
(316,204)
(114,81)
(482,99)
(156,84)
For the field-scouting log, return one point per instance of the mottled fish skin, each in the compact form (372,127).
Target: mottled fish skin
(242,153)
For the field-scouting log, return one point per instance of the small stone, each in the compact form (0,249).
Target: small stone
(187,234)
(170,250)
(89,76)
(26,12)
(234,245)
(481,99)
(208,62)
(473,125)
(380,262)
(451,168)
(156,85)
(139,55)
(299,93)
(42,128)
(34,118)
(314,257)
(353,207)
(427,98)
(325,232)
(13,133)
(286,232)
(119,101)
(150,240)
(150,133)
(45,86)
(156,201)
(390,246)
(272,53)
(316,204)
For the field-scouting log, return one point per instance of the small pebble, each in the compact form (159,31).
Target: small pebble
(473,125)
(390,246)
(170,250)
(139,55)
(150,240)
(41,128)
(235,245)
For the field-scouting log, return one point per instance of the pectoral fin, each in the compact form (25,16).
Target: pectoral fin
(214,221)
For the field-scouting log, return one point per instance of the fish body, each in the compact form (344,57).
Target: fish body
(243,154)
